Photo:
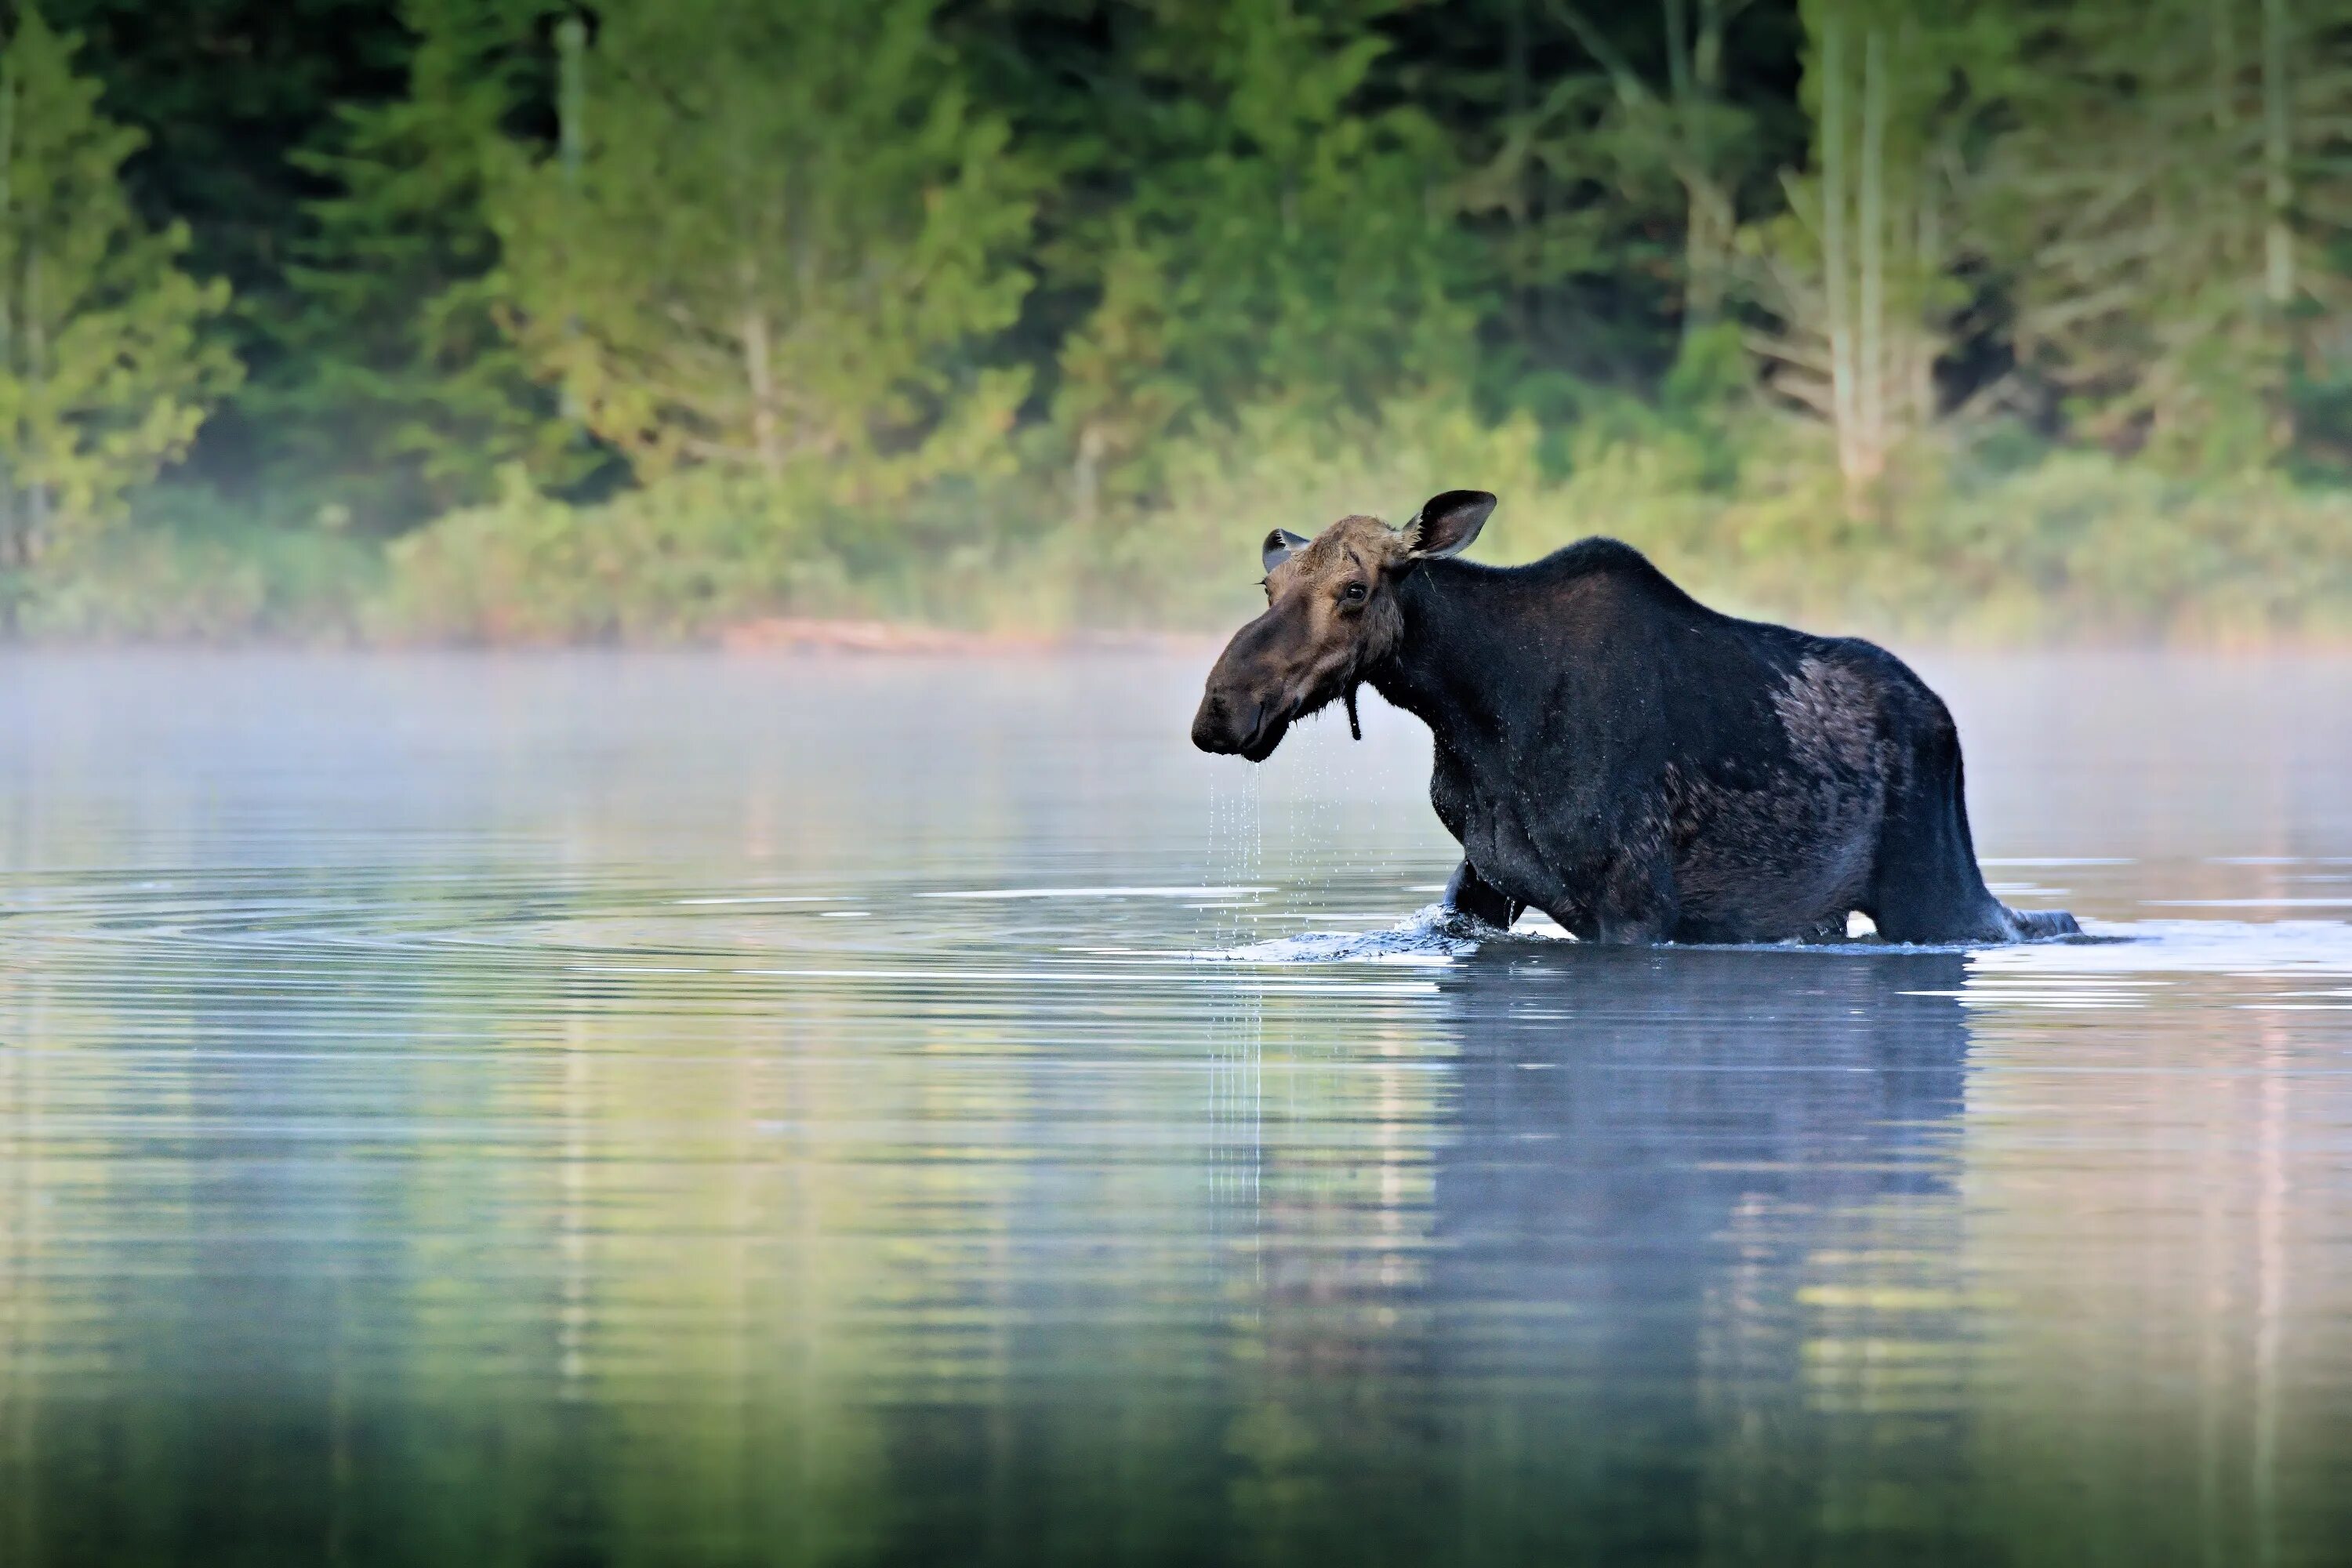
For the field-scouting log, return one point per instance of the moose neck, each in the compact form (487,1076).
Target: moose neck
(1444,670)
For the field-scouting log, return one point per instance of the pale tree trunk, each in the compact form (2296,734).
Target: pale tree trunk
(33,535)
(1709,229)
(1519,90)
(1870,204)
(1834,200)
(759,376)
(9,524)
(571,131)
(1086,476)
(2278,188)
(1880,240)
(1710,222)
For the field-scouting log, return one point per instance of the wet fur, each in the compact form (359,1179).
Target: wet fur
(1636,766)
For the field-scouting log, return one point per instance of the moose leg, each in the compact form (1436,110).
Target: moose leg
(1638,903)
(1469,893)
(1927,887)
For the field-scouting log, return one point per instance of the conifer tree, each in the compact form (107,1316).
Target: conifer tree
(105,368)
(401,394)
(225,92)
(789,236)
(1280,238)
(1670,149)
(2164,210)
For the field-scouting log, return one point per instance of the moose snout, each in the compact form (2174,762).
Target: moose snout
(1244,707)
(1235,723)
(1213,726)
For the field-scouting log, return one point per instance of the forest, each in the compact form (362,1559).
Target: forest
(503,320)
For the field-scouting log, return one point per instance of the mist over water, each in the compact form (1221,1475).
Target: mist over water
(587,1108)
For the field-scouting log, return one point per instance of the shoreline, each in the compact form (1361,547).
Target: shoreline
(865,637)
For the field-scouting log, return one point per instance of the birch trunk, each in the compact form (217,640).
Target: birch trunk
(2278,186)
(570,132)
(9,555)
(1086,476)
(759,374)
(1518,93)
(33,529)
(1835,201)
(1871,219)
(1709,222)
(1922,367)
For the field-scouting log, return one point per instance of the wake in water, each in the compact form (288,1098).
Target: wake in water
(1434,934)
(1431,934)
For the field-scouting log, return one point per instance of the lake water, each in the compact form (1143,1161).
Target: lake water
(596,1108)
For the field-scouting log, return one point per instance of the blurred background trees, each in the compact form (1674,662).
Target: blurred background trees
(106,369)
(786,242)
(513,318)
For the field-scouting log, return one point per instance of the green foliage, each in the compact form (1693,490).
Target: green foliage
(104,371)
(190,566)
(225,91)
(787,242)
(2072,546)
(1278,238)
(1750,515)
(1675,155)
(397,395)
(643,320)
(682,558)
(2164,206)
(1860,272)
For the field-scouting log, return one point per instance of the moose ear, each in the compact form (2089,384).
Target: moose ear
(1447,522)
(1280,546)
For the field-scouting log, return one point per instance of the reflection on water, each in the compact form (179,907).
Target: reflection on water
(681,1109)
(1683,1194)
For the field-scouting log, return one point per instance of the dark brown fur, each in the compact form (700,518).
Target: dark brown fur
(1613,753)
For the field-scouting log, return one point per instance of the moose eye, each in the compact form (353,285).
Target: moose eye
(1355,594)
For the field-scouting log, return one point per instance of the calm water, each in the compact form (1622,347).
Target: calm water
(595,1110)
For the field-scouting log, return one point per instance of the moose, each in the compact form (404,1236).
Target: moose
(1610,751)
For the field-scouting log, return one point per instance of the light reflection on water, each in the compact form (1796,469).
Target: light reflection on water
(673,1109)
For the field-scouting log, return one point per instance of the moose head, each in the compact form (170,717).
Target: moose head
(1331,618)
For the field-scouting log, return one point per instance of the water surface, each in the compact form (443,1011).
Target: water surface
(599,1108)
